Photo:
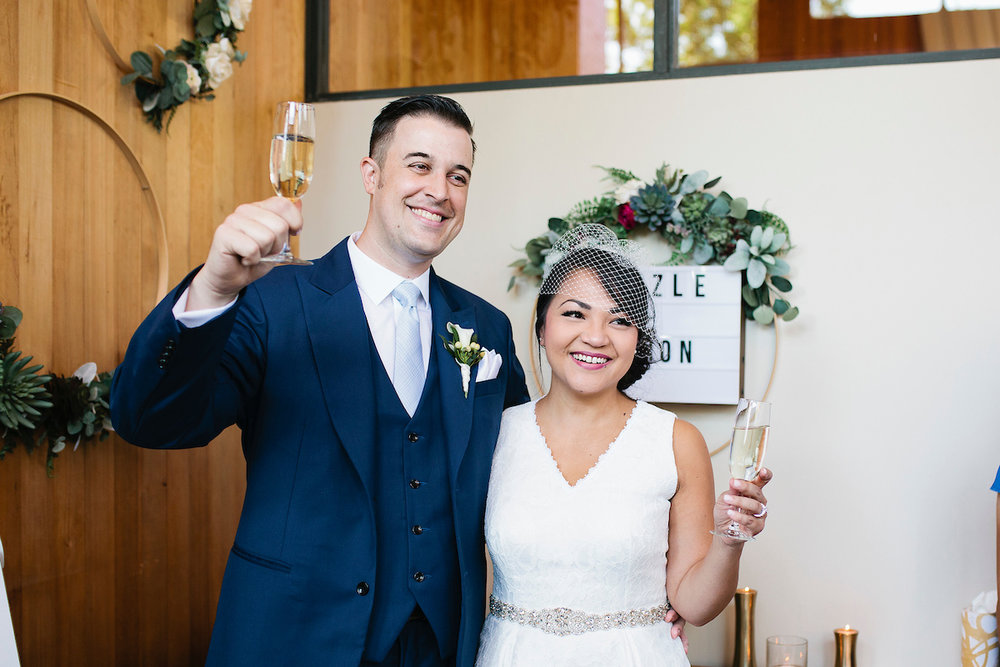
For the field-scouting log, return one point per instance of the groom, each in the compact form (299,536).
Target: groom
(361,538)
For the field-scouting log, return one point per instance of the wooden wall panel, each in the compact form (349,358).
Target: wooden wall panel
(434,42)
(118,560)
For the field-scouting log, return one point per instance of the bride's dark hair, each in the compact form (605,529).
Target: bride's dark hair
(623,283)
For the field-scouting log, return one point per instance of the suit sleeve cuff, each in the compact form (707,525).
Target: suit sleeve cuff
(196,318)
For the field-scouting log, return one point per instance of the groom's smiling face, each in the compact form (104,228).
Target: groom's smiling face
(419,190)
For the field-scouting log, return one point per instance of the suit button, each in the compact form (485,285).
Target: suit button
(170,344)
(418,577)
(362,588)
(413,437)
(414,483)
(416,530)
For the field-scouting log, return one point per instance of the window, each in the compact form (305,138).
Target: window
(377,48)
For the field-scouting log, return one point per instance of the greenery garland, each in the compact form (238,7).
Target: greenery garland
(701,227)
(53,410)
(192,69)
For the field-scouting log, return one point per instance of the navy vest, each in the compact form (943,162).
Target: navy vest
(417,558)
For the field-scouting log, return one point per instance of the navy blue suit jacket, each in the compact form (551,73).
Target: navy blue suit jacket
(291,364)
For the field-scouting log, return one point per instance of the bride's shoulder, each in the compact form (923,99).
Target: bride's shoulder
(517,413)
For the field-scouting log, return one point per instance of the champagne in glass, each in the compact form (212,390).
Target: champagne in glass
(292,147)
(746,451)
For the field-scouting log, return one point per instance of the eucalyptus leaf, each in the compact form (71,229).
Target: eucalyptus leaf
(129,78)
(518,263)
(780,306)
(750,296)
(753,217)
(719,208)
(532,270)
(756,272)
(703,252)
(686,244)
(510,284)
(790,314)
(781,283)
(558,225)
(142,63)
(763,314)
(780,267)
(738,208)
(712,183)
(692,182)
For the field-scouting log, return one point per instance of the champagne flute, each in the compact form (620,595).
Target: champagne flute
(746,451)
(292,162)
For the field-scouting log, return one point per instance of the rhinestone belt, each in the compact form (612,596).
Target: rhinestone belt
(562,621)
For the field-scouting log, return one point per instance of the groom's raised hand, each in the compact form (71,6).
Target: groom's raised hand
(250,232)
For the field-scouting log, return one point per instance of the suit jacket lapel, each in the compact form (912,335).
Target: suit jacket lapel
(339,336)
(456,408)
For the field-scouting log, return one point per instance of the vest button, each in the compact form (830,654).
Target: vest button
(416,530)
(362,588)
(412,437)
(418,577)
(414,483)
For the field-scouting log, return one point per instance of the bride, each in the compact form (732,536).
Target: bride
(600,507)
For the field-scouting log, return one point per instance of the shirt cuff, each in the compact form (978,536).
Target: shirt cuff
(196,318)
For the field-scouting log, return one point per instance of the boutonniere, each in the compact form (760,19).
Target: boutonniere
(465,350)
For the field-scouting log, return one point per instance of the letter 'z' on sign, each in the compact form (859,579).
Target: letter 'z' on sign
(698,322)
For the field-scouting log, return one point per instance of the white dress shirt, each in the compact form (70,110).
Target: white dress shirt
(375,283)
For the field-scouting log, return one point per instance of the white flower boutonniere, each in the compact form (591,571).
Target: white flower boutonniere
(466,351)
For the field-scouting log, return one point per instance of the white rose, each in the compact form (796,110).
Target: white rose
(239,12)
(627,190)
(86,373)
(193,78)
(218,60)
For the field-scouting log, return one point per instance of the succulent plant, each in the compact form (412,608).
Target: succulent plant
(653,206)
(759,259)
(22,392)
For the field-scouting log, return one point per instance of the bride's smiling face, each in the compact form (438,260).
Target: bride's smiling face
(589,341)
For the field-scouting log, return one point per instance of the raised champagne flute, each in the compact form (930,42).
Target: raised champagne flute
(746,451)
(292,162)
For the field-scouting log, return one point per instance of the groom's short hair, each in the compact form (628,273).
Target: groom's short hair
(437,106)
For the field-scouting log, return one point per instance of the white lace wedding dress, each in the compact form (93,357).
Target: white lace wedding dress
(596,549)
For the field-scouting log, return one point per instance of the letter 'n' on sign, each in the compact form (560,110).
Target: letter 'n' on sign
(699,324)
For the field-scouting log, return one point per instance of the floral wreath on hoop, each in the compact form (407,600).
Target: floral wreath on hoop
(190,69)
(701,227)
(49,409)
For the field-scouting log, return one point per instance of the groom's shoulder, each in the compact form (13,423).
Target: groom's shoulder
(463,298)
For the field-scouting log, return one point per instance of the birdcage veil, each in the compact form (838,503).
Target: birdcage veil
(590,250)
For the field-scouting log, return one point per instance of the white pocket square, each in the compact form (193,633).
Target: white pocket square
(489,366)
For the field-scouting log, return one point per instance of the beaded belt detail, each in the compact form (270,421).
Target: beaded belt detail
(562,621)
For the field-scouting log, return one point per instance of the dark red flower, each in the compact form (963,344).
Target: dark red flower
(626,217)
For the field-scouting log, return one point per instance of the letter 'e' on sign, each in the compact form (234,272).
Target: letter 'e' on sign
(698,322)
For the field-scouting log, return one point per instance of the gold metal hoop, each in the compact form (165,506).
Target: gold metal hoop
(535,350)
(102,35)
(147,189)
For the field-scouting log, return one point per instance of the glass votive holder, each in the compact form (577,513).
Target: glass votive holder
(787,651)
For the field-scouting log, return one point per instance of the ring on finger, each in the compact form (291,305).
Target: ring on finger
(762,513)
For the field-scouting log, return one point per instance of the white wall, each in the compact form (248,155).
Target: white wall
(885,425)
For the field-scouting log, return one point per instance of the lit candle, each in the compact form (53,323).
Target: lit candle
(845,639)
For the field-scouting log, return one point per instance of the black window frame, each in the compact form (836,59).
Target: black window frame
(665,62)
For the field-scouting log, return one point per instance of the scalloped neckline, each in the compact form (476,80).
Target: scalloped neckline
(596,463)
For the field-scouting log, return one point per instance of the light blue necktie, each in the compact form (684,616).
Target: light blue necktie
(408,362)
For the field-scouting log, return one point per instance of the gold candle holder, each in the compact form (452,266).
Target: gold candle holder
(743,652)
(845,639)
